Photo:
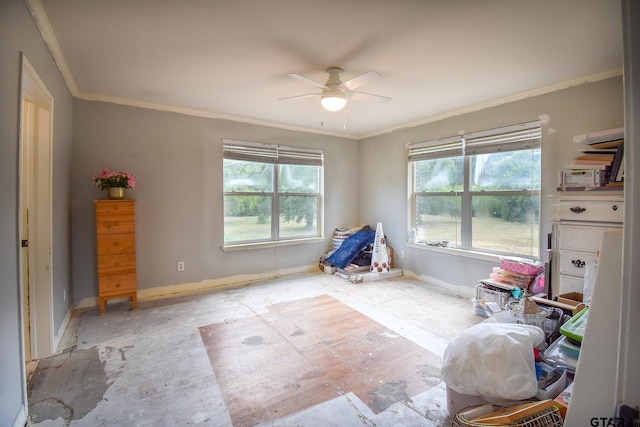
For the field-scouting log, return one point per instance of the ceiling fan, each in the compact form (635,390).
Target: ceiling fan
(335,93)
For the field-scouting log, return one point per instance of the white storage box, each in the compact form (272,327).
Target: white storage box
(581,178)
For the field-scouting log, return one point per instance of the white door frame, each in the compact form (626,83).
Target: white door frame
(35,172)
(628,379)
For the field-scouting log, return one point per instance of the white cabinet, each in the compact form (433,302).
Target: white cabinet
(578,222)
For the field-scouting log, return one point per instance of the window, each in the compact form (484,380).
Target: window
(272,193)
(479,191)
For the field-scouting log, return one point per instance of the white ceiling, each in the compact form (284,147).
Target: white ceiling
(230,58)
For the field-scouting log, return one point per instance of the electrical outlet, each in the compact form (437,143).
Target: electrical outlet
(180,265)
(401,254)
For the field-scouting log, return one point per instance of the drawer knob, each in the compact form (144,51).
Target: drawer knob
(577,263)
(614,207)
(578,210)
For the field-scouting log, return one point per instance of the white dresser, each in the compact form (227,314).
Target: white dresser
(578,221)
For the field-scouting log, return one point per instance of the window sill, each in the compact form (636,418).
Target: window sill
(265,245)
(485,256)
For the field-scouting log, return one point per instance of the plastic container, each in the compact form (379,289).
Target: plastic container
(558,358)
(574,327)
(485,294)
(479,307)
(554,389)
(553,321)
(522,265)
(536,319)
(569,348)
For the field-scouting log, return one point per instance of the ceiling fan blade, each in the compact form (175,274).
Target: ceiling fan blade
(307,80)
(299,96)
(360,80)
(368,97)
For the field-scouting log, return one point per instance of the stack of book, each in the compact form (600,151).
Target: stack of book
(340,235)
(600,162)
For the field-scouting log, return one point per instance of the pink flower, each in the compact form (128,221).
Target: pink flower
(108,179)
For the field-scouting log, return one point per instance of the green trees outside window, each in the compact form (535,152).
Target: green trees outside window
(265,201)
(487,200)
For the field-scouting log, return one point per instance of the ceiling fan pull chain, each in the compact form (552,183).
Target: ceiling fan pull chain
(344,118)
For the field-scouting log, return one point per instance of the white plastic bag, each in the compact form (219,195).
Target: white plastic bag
(494,361)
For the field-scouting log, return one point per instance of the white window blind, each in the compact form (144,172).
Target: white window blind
(446,147)
(270,153)
(523,136)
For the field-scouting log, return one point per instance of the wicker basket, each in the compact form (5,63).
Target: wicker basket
(549,417)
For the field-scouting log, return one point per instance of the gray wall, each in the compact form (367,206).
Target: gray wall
(19,34)
(383,165)
(178,162)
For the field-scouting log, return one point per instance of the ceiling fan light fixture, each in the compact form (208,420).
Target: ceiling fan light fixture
(333,99)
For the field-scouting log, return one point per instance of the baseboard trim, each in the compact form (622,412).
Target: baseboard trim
(209,284)
(466,291)
(21,418)
(57,337)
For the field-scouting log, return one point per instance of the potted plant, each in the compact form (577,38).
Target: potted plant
(115,182)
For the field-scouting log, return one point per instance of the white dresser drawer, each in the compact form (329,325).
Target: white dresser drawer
(579,220)
(589,210)
(582,238)
(571,284)
(574,263)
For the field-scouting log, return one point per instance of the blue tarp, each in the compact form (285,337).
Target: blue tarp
(351,247)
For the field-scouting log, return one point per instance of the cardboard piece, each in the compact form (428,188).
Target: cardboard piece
(572,308)
(571,298)
(563,399)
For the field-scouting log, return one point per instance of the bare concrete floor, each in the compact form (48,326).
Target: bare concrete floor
(149,367)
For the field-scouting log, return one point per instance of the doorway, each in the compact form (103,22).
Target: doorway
(35,217)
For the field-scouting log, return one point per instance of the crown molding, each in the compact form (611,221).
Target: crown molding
(616,72)
(49,37)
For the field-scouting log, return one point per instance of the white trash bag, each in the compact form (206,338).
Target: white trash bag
(494,361)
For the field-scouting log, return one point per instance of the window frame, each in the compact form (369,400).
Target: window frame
(275,155)
(524,136)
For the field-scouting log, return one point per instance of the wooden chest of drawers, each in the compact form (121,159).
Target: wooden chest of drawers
(578,224)
(116,250)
